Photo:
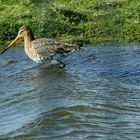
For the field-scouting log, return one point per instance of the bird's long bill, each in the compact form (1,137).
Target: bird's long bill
(11,44)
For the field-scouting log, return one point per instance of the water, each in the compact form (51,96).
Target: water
(97,96)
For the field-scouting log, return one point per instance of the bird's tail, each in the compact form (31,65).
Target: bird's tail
(65,48)
(71,47)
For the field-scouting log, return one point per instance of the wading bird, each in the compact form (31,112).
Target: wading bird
(42,50)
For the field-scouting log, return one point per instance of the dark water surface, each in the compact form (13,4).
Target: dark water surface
(97,96)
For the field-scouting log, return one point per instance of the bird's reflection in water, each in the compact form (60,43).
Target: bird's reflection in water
(52,86)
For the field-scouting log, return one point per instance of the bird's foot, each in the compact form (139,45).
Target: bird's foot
(61,64)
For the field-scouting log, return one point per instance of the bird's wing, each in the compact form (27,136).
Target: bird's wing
(64,48)
(49,47)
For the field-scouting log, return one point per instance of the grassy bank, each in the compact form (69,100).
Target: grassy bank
(73,21)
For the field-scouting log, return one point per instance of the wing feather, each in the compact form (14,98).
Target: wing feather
(47,48)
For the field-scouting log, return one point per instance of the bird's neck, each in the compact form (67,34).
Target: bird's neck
(28,39)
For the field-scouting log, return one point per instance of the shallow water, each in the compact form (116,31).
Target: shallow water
(96,96)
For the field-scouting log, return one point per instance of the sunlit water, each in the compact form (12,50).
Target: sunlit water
(96,96)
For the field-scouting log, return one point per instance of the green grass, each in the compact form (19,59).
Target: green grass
(73,21)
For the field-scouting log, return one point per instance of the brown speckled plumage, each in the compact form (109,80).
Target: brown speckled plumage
(42,49)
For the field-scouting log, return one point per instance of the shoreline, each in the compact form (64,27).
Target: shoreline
(96,23)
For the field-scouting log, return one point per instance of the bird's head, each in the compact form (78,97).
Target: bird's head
(24,31)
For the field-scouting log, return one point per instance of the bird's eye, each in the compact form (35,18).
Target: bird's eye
(21,31)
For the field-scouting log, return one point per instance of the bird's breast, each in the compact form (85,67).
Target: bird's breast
(32,54)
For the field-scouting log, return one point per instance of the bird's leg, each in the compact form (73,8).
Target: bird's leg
(61,64)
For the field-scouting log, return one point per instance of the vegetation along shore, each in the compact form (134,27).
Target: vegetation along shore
(73,21)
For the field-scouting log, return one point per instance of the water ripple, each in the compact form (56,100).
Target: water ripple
(95,97)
